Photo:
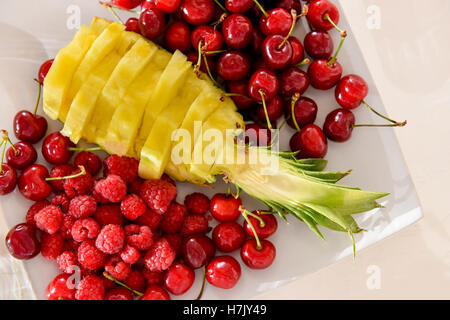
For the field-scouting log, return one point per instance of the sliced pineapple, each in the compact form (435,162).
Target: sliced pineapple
(58,80)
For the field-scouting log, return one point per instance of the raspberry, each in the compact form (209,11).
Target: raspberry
(124,167)
(66,261)
(175,241)
(140,237)
(158,194)
(63,170)
(197,203)
(160,256)
(66,227)
(90,161)
(34,209)
(71,245)
(62,201)
(49,219)
(130,254)
(84,229)
(173,219)
(90,288)
(117,269)
(119,293)
(194,224)
(152,277)
(136,281)
(112,188)
(133,207)
(99,198)
(108,214)
(135,186)
(89,256)
(79,186)
(52,245)
(82,207)
(155,293)
(150,219)
(111,239)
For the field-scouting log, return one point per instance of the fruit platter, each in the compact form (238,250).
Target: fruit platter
(190,149)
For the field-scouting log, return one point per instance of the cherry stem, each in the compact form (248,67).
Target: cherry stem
(221,19)
(220,5)
(303,62)
(79,174)
(396,124)
(6,139)
(199,60)
(327,17)
(199,297)
(261,8)
(333,59)
(205,60)
(262,224)
(3,144)
(236,95)
(399,124)
(304,11)
(109,277)
(245,214)
(110,5)
(39,96)
(85,149)
(294,100)
(114,13)
(263,99)
(294,19)
(214,52)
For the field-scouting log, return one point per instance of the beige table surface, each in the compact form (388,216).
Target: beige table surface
(410,62)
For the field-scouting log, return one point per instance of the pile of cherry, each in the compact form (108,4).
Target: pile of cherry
(247,48)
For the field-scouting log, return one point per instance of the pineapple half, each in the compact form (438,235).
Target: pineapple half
(128,95)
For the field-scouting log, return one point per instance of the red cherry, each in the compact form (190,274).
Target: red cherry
(293,80)
(351,91)
(118,293)
(8,179)
(260,63)
(237,31)
(298,52)
(264,230)
(90,161)
(32,184)
(324,76)
(241,89)
(126,4)
(263,81)
(198,12)
(233,66)
(178,37)
(152,23)
(21,156)
(319,45)
(43,70)
(193,57)
(155,292)
(197,250)
(310,141)
(148,4)
(225,207)
(228,236)
(22,243)
(290,4)
(257,135)
(211,39)
(317,15)
(178,279)
(258,258)
(61,288)
(60,171)
(258,39)
(56,148)
(223,272)
(278,21)
(239,6)
(132,25)
(29,127)
(168,6)
(275,109)
(277,52)
(339,124)
(305,112)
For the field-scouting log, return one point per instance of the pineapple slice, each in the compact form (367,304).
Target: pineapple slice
(101,47)
(59,77)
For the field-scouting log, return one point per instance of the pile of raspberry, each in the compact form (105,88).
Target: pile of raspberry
(119,232)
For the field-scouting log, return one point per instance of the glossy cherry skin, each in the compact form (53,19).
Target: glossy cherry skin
(198,12)
(317,10)
(55,148)
(197,250)
(240,87)
(351,91)
(126,4)
(148,4)
(212,39)
(339,124)
(256,258)
(298,52)
(132,25)
(25,156)
(278,21)
(290,4)
(118,293)
(275,56)
(59,289)
(32,184)
(152,23)
(223,272)
(305,112)
(324,76)
(275,109)
(265,80)
(168,6)
(225,207)
(8,179)
(310,141)
(178,279)
(178,36)
(29,127)
(155,292)
(43,70)
(257,135)
(90,161)
(263,232)
(22,243)
(239,6)
(233,66)
(293,80)
(318,45)
(228,236)
(237,31)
